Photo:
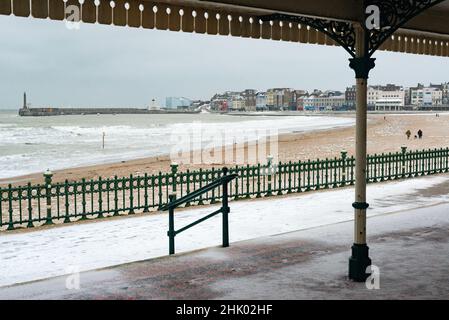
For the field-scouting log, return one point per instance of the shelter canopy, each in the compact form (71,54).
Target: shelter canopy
(427,33)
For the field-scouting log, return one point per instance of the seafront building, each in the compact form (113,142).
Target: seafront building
(350,97)
(274,99)
(261,101)
(278,99)
(178,103)
(422,96)
(249,96)
(296,98)
(223,102)
(445,90)
(322,101)
(386,98)
(389,104)
(389,97)
(238,103)
(428,97)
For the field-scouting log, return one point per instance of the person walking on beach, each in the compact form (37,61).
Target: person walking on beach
(408,134)
(420,134)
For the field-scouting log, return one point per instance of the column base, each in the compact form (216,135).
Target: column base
(358,263)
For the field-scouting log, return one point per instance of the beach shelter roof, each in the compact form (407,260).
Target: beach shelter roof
(424,30)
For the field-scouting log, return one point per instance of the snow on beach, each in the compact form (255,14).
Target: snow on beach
(52,252)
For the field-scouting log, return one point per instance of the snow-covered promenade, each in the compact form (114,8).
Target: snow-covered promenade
(409,248)
(45,253)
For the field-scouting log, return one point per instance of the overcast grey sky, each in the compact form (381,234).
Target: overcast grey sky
(113,66)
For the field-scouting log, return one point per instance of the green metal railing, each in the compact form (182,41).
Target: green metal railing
(221,183)
(29,205)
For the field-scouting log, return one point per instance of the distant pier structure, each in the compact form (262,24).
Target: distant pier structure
(26,111)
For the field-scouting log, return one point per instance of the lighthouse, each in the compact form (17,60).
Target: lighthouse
(25,101)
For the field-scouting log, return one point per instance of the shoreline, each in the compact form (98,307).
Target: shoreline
(152,164)
(383,135)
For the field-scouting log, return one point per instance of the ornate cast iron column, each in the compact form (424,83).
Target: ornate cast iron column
(361,43)
(361,64)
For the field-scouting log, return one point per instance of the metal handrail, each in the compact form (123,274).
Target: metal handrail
(173,204)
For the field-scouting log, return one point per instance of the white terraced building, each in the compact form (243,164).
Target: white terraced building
(389,104)
(386,100)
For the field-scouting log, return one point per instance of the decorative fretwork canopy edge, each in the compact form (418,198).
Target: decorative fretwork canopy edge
(214,18)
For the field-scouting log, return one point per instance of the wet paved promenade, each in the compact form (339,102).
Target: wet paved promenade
(410,248)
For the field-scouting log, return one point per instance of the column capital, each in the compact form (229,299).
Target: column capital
(362,66)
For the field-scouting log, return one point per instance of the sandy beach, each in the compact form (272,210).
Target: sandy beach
(384,135)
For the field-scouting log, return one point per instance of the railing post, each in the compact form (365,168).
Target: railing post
(10,209)
(66,201)
(30,208)
(344,154)
(131,195)
(100,198)
(289,177)
(225,210)
(317,175)
(188,175)
(404,150)
(171,226)
(278,170)
(213,196)
(174,171)
(200,180)
(116,213)
(83,199)
(382,160)
(48,180)
(248,196)
(446,156)
(258,195)
(335,175)
(159,186)
(308,175)
(326,185)
(236,185)
(270,172)
(145,209)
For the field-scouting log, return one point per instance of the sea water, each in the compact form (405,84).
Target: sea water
(34,144)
